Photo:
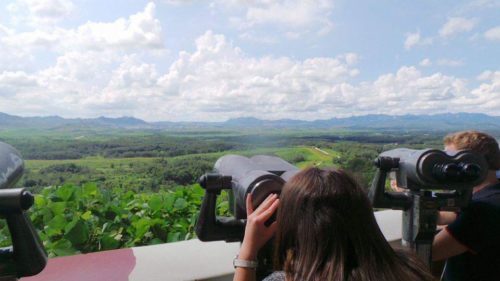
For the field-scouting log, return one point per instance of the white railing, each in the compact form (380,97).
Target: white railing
(186,260)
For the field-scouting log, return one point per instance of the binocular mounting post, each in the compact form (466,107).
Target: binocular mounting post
(209,226)
(420,208)
(26,256)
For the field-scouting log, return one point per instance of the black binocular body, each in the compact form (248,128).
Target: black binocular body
(436,169)
(26,256)
(260,176)
(432,180)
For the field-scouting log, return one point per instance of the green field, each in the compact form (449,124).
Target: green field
(113,189)
(313,156)
(140,172)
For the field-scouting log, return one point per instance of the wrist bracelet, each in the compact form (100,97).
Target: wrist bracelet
(244,263)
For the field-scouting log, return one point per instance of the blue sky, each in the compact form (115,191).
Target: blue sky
(213,60)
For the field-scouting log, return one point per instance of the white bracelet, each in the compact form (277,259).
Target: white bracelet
(244,263)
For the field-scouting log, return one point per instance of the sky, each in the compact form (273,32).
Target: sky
(187,60)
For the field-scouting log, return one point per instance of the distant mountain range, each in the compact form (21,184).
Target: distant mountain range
(440,122)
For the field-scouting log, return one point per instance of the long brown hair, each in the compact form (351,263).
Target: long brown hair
(327,231)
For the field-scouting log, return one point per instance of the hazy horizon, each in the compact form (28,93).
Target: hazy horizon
(246,117)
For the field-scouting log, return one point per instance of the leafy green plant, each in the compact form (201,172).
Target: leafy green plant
(79,219)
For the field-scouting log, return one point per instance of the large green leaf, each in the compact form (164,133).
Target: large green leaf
(141,227)
(56,225)
(155,241)
(64,192)
(40,201)
(57,208)
(46,215)
(78,233)
(173,236)
(155,202)
(87,215)
(89,190)
(108,242)
(63,247)
(169,200)
(180,203)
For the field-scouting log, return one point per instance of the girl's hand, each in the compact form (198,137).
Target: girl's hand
(256,233)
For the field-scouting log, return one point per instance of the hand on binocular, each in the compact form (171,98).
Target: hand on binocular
(256,232)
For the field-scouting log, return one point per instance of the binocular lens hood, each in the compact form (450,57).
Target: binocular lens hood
(259,175)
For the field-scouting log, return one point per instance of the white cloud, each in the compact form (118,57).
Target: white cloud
(214,82)
(40,12)
(219,81)
(493,34)
(295,17)
(11,82)
(457,25)
(12,57)
(485,75)
(139,31)
(414,39)
(487,95)
(425,62)
(296,13)
(132,85)
(61,89)
(219,77)
(408,91)
(80,67)
(93,62)
(35,39)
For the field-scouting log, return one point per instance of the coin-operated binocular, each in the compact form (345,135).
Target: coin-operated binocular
(26,256)
(260,176)
(432,180)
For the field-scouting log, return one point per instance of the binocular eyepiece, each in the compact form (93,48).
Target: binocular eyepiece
(452,172)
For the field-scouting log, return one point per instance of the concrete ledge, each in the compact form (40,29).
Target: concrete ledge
(186,260)
(390,222)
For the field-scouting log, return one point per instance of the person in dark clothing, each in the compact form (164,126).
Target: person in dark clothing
(471,240)
(325,229)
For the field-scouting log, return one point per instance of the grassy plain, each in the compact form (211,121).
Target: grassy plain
(313,156)
(100,190)
(136,172)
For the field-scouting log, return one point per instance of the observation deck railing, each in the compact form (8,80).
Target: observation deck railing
(186,260)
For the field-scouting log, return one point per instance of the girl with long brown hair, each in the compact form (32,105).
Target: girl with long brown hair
(324,230)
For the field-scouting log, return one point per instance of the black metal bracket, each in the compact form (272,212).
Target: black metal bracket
(209,227)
